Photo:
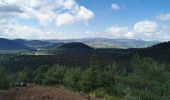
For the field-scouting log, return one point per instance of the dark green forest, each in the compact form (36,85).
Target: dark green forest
(132,74)
(149,79)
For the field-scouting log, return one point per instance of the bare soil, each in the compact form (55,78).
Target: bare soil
(42,93)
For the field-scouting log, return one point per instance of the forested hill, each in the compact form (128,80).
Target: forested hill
(75,45)
(159,52)
(6,44)
(36,44)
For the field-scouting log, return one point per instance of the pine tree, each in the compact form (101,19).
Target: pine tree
(92,77)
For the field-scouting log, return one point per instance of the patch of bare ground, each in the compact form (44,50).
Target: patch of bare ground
(42,93)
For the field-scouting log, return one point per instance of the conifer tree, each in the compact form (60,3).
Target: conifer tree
(92,77)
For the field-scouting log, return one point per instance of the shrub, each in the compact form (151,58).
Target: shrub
(72,78)
(40,74)
(55,75)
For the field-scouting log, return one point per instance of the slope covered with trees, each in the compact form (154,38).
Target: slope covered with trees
(148,78)
(148,81)
(159,52)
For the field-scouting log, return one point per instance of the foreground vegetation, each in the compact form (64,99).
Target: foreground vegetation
(149,79)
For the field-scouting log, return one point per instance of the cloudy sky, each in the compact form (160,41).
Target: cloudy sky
(63,19)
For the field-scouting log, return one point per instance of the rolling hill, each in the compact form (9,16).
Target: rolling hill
(76,48)
(109,43)
(36,44)
(6,44)
(21,44)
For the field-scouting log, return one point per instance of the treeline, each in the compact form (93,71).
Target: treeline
(149,79)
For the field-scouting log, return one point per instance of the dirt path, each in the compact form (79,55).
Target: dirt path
(42,93)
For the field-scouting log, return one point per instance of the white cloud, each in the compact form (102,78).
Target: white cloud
(146,27)
(15,30)
(82,14)
(9,10)
(146,30)
(5,8)
(64,18)
(115,6)
(150,30)
(164,17)
(68,4)
(119,32)
(47,11)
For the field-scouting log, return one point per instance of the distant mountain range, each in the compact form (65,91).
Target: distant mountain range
(109,43)
(22,44)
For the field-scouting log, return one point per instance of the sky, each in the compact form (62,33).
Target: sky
(68,19)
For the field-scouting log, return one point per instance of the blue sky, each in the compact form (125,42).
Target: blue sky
(131,11)
(63,19)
